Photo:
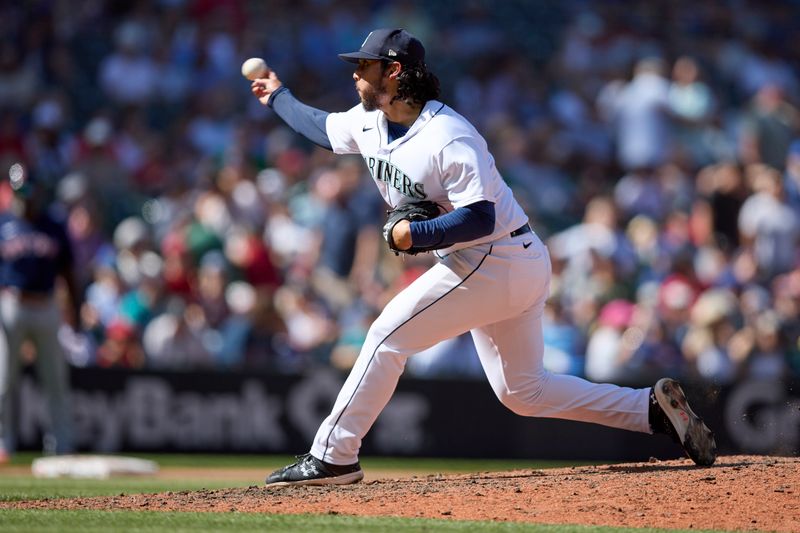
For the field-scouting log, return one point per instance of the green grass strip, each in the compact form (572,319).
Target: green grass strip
(129,521)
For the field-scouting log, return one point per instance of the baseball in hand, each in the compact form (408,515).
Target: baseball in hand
(254,68)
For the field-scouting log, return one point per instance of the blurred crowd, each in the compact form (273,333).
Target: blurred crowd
(654,145)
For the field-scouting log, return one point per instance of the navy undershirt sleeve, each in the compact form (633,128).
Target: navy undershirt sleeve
(460,225)
(306,120)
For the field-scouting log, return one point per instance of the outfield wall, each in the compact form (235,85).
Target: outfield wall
(122,411)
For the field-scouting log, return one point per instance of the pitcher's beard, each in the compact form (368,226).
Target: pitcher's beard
(370,98)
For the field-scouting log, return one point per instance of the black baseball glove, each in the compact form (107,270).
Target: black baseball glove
(413,211)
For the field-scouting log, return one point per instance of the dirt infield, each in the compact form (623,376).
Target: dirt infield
(737,493)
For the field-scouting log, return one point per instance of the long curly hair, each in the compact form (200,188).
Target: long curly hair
(416,84)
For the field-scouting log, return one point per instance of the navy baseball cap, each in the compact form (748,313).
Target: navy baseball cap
(390,44)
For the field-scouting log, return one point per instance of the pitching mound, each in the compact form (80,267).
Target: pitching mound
(739,492)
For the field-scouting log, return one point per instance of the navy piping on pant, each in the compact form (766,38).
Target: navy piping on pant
(328,439)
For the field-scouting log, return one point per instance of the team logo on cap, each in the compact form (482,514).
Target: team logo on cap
(391,53)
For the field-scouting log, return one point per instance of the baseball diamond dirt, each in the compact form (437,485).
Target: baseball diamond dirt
(738,493)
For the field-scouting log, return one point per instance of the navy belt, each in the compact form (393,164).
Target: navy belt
(522,230)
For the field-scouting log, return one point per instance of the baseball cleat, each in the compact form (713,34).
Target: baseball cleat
(681,423)
(308,470)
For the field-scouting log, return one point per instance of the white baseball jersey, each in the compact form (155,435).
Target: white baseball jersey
(442,158)
(494,287)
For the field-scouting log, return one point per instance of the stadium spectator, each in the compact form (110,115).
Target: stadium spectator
(608,350)
(129,75)
(177,338)
(769,126)
(692,106)
(19,79)
(709,342)
(641,119)
(767,224)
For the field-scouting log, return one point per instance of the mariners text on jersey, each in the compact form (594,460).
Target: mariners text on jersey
(385,171)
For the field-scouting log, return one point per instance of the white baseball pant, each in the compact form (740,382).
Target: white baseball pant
(498,293)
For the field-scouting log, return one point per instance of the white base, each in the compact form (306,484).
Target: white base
(91,466)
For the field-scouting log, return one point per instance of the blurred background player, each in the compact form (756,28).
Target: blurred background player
(34,253)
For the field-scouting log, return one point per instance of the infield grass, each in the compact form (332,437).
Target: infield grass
(90,521)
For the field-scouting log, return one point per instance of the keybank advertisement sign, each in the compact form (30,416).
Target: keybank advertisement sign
(124,411)
(117,411)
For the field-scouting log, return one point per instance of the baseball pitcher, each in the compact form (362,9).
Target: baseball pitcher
(492,275)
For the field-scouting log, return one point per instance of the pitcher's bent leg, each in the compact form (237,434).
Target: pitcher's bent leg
(511,353)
